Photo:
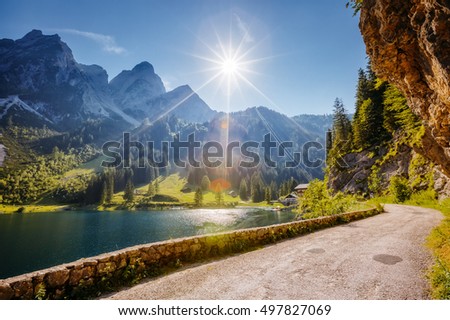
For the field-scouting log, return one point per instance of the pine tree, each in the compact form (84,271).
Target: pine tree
(368,121)
(219,195)
(205,183)
(293,183)
(268,195)
(397,114)
(150,174)
(103,194)
(128,195)
(156,185)
(150,190)
(243,190)
(283,189)
(257,192)
(109,187)
(362,128)
(342,129)
(362,89)
(198,197)
(273,190)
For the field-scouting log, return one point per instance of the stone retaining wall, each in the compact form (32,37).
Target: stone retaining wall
(92,276)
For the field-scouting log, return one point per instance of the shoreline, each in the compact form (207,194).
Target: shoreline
(14,209)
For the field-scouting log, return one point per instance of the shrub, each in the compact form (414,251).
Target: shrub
(400,189)
(318,202)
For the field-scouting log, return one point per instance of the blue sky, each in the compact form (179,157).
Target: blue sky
(295,56)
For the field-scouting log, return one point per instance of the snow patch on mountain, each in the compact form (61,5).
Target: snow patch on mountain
(11,101)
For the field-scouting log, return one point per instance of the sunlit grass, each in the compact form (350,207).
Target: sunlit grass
(93,166)
(4,208)
(173,184)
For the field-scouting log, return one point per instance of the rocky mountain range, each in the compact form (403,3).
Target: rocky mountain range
(42,84)
(39,76)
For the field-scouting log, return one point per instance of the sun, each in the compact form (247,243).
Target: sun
(230,66)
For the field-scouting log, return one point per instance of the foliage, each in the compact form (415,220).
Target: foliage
(40,291)
(257,188)
(400,189)
(109,183)
(375,181)
(286,187)
(205,183)
(198,197)
(37,178)
(27,134)
(268,195)
(128,194)
(219,197)
(317,201)
(356,5)
(420,173)
(103,195)
(342,129)
(367,124)
(243,190)
(439,242)
(397,114)
(151,190)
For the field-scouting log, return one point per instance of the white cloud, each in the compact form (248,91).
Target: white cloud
(244,29)
(107,42)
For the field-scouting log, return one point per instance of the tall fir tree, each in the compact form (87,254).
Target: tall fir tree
(368,121)
(273,190)
(257,191)
(103,194)
(109,186)
(219,194)
(205,183)
(128,194)
(243,190)
(342,129)
(151,190)
(198,197)
(268,195)
(156,185)
(397,114)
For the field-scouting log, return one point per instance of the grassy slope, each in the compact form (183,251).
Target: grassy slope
(172,185)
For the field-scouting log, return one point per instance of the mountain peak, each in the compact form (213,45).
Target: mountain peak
(144,66)
(184,88)
(33,34)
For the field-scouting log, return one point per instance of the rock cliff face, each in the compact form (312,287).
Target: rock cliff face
(409,44)
(400,160)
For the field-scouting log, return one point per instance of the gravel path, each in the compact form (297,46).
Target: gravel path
(382,257)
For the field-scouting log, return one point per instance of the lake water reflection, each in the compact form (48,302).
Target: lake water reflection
(30,242)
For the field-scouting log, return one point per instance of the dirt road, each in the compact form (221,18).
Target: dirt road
(382,257)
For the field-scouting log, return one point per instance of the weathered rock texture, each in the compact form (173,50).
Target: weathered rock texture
(409,44)
(90,277)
